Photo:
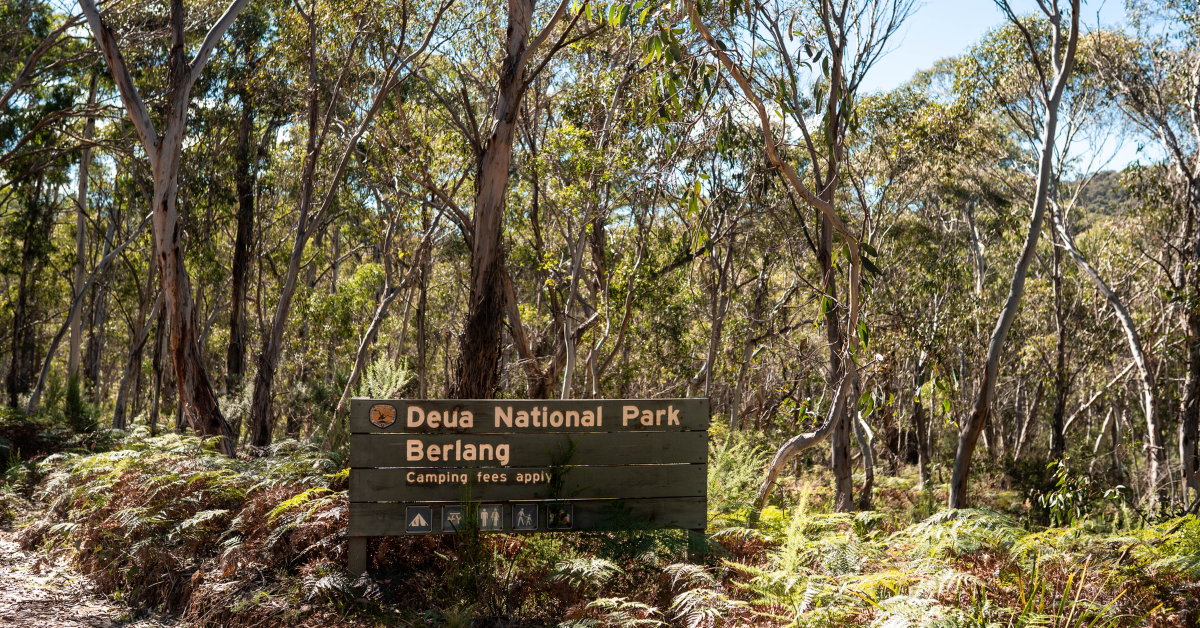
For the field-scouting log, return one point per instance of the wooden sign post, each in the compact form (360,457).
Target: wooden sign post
(524,465)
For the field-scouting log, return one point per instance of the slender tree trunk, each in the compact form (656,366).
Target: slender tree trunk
(364,347)
(920,426)
(969,435)
(422,305)
(20,372)
(720,307)
(1058,442)
(976,250)
(760,292)
(1155,440)
(331,356)
(99,319)
(840,439)
(85,160)
(268,359)
(866,446)
(1116,448)
(133,365)
(235,359)
(1189,414)
(1030,415)
(478,370)
(134,368)
(160,348)
(140,334)
(1189,411)
(568,329)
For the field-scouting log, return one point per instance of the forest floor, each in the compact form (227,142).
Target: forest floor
(169,525)
(38,592)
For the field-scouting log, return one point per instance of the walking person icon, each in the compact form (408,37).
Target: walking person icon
(525,517)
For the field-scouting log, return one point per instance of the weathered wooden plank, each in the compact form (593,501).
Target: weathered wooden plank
(527,450)
(515,483)
(356,555)
(388,518)
(504,416)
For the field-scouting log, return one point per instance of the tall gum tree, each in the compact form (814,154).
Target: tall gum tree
(394,67)
(1155,77)
(1062,60)
(848,38)
(478,369)
(164,151)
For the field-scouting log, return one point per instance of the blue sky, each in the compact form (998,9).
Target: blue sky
(945,28)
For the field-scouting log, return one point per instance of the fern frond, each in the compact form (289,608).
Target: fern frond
(584,572)
(702,607)
(690,575)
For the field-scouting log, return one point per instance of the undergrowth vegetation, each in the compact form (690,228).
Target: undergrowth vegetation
(167,523)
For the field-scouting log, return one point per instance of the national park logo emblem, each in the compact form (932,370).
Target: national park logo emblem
(383,415)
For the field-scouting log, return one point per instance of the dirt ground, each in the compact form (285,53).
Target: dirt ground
(36,592)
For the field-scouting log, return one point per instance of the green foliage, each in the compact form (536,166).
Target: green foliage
(952,532)
(619,612)
(383,379)
(165,504)
(170,503)
(584,573)
(734,474)
(957,568)
(1074,495)
(79,415)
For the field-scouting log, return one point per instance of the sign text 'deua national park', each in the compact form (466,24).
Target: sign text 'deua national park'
(527,465)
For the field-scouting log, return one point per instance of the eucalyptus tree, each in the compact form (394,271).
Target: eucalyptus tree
(524,56)
(995,77)
(85,159)
(768,62)
(1053,75)
(40,70)
(379,57)
(199,401)
(606,167)
(1086,113)
(1154,74)
(931,152)
(251,49)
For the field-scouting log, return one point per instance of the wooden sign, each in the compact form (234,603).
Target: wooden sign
(525,465)
(521,416)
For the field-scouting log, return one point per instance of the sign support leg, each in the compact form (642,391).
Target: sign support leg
(697,546)
(357,555)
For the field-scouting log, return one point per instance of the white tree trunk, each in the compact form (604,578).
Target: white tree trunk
(85,160)
(1158,451)
(969,435)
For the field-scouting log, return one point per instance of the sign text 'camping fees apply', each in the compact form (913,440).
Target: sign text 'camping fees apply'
(516,465)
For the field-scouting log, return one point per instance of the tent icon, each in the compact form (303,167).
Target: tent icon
(418,519)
